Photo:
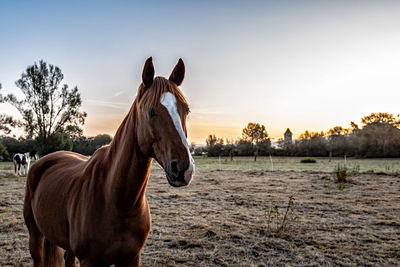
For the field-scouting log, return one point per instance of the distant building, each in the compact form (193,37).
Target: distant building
(287,137)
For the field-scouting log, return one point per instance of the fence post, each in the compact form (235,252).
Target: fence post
(272,163)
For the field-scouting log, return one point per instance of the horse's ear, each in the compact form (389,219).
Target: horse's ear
(148,73)
(178,73)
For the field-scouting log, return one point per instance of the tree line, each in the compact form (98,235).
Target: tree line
(83,145)
(378,136)
(253,142)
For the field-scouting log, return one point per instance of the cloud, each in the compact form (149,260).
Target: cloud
(107,104)
(118,93)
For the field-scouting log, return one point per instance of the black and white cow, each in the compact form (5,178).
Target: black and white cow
(21,163)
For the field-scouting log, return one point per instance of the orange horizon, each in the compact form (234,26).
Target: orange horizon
(198,132)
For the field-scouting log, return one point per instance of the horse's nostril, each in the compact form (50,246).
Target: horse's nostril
(174,167)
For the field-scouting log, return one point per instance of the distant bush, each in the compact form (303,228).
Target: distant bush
(308,160)
(4,156)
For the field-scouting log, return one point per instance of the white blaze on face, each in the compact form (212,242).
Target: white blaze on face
(168,100)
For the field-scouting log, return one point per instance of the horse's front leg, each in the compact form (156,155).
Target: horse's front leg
(135,262)
(70,260)
(90,263)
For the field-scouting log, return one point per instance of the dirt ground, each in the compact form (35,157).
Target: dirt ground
(222,219)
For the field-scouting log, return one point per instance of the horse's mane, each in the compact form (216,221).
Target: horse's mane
(150,97)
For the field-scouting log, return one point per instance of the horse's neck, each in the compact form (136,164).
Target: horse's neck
(128,169)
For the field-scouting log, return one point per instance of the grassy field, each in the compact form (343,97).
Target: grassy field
(293,164)
(386,165)
(235,218)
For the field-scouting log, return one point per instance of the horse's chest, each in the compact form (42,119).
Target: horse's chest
(125,246)
(115,240)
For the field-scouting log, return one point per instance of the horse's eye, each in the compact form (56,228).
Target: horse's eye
(152,113)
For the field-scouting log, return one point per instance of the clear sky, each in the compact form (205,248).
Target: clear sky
(298,64)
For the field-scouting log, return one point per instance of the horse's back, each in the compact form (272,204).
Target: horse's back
(53,166)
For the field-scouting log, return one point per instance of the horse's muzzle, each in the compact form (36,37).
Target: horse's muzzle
(177,173)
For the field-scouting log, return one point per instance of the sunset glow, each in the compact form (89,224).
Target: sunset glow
(303,66)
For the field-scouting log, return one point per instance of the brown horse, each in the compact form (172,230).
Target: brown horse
(96,209)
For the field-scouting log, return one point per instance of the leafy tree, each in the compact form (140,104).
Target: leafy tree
(82,145)
(312,144)
(340,142)
(212,140)
(88,145)
(56,141)
(337,130)
(354,128)
(101,140)
(245,148)
(6,123)
(380,118)
(380,136)
(50,111)
(215,146)
(256,134)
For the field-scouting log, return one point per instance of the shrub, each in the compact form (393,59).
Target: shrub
(278,222)
(341,174)
(308,160)
(4,156)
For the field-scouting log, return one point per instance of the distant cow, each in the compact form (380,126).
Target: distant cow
(21,163)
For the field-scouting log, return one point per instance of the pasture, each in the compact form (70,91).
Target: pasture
(223,218)
(386,165)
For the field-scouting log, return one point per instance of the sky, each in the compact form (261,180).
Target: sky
(303,65)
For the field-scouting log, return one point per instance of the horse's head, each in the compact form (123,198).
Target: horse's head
(161,123)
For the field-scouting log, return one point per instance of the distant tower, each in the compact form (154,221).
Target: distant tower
(287,137)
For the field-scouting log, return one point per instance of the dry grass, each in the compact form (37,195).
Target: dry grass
(221,219)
